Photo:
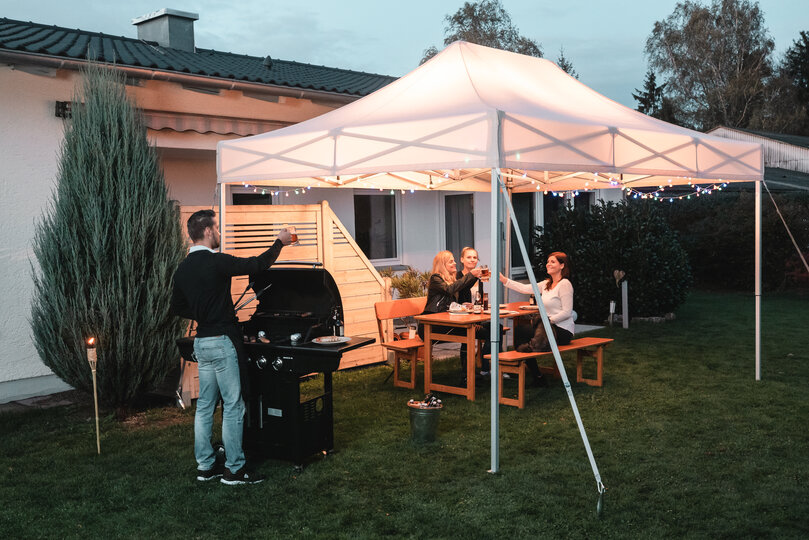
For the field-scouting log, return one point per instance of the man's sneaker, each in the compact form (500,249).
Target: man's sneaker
(212,473)
(241,477)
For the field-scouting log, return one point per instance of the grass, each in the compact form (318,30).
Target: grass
(687,443)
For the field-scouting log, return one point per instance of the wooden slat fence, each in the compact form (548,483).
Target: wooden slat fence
(249,230)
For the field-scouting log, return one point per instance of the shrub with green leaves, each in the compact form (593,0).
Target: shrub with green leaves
(106,247)
(411,283)
(630,236)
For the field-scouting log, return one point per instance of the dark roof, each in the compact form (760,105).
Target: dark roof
(795,140)
(34,38)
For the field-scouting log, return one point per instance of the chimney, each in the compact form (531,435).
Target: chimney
(169,28)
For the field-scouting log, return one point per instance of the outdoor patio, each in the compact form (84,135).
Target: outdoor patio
(688,445)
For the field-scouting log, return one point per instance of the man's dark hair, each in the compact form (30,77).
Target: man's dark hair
(198,222)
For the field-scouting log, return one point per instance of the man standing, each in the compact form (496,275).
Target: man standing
(202,293)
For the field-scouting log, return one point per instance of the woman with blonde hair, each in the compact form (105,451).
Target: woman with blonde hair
(444,286)
(443,289)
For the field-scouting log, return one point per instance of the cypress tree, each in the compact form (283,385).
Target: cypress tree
(106,246)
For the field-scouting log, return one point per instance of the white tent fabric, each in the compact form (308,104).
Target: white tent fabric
(472,108)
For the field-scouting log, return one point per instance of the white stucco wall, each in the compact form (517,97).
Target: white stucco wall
(30,137)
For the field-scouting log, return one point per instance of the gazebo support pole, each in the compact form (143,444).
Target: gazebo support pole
(496,143)
(758,280)
(494,304)
(223,189)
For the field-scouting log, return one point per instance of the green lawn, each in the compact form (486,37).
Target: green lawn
(688,445)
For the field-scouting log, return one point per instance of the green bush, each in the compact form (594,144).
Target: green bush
(630,236)
(106,247)
(717,232)
(409,284)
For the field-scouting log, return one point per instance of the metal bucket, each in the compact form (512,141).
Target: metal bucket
(424,424)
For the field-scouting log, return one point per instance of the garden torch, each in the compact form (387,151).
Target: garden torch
(92,360)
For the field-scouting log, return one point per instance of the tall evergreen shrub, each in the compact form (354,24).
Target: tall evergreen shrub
(629,236)
(106,247)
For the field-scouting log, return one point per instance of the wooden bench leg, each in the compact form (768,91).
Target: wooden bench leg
(398,357)
(519,371)
(598,355)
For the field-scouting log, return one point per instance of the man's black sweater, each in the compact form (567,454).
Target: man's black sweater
(202,287)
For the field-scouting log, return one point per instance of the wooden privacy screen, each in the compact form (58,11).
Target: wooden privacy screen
(249,230)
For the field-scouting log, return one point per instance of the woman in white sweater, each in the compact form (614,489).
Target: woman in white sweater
(557,298)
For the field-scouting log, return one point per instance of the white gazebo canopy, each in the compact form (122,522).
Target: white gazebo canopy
(472,108)
(480,119)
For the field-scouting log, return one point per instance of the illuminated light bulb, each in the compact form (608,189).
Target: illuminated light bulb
(391,192)
(524,174)
(412,190)
(518,156)
(286,193)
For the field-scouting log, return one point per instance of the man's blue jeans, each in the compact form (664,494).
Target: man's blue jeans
(218,374)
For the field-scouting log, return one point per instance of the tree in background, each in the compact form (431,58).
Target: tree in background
(653,102)
(487,23)
(106,247)
(716,60)
(786,107)
(565,64)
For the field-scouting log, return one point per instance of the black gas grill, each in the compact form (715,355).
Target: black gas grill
(296,302)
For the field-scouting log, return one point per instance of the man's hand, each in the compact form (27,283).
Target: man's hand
(285,237)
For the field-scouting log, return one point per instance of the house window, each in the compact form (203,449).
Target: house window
(375,227)
(459,223)
(523,204)
(252,198)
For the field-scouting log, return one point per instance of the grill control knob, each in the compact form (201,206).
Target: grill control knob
(278,364)
(261,363)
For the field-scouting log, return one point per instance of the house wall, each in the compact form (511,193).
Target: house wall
(30,136)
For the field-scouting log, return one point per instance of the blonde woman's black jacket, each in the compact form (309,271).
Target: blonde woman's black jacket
(441,294)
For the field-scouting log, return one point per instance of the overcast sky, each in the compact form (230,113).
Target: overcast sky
(604,39)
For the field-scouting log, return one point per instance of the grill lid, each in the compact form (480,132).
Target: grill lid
(296,292)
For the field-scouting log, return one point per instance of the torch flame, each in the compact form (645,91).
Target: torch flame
(91,341)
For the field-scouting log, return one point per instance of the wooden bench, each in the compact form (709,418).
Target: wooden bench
(409,350)
(513,362)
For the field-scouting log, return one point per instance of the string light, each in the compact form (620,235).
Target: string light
(660,194)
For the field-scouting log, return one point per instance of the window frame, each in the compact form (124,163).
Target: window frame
(397,223)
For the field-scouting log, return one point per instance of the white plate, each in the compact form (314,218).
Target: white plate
(502,312)
(529,308)
(331,340)
(460,312)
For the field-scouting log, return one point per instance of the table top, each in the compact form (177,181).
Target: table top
(509,311)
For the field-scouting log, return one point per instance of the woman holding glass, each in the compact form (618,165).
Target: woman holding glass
(557,298)
(444,288)
(469,260)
